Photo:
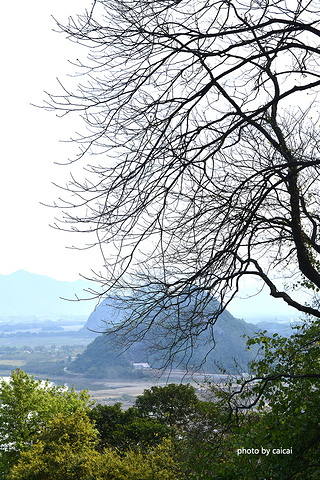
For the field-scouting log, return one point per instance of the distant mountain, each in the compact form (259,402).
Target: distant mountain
(23,294)
(284,329)
(228,333)
(103,316)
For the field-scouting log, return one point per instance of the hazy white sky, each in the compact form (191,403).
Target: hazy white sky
(32,57)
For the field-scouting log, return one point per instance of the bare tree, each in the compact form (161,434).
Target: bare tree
(204,118)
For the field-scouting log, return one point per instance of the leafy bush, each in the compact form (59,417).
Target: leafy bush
(26,405)
(127,429)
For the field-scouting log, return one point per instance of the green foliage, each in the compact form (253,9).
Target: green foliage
(26,405)
(64,449)
(157,464)
(127,429)
(173,404)
(284,391)
(46,434)
(49,433)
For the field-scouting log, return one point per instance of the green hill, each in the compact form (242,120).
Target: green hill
(102,355)
(100,360)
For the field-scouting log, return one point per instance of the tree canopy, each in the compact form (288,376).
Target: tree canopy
(268,425)
(26,405)
(173,404)
(201,119)
(49,432)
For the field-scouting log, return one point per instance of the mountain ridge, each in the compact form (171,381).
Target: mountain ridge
(23,293)
(229,333)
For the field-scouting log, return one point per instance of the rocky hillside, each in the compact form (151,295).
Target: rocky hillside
(229,335)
